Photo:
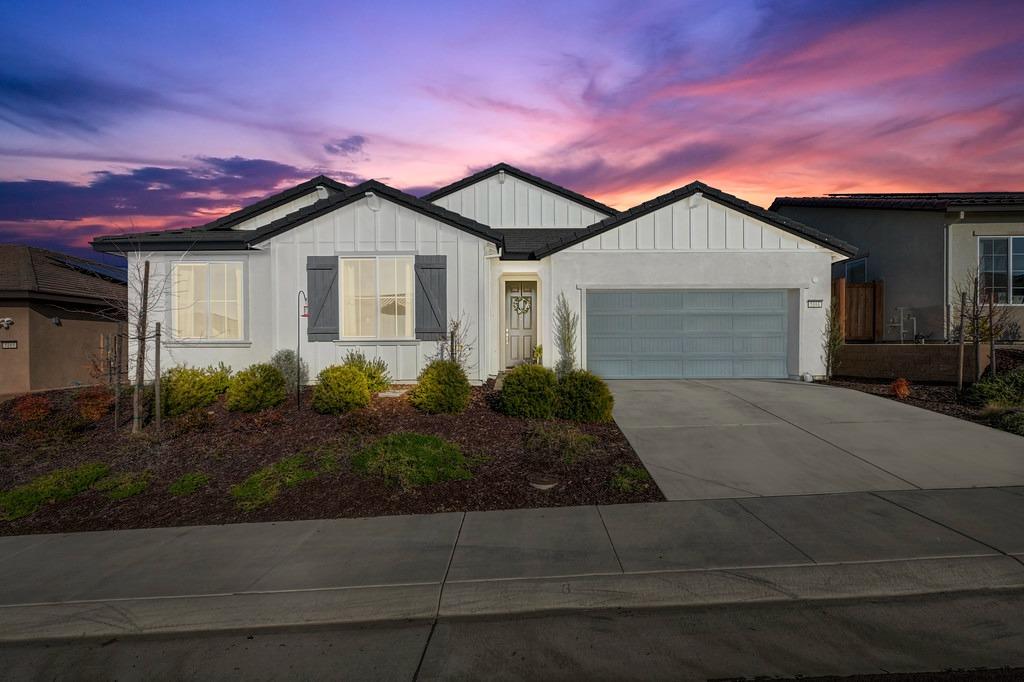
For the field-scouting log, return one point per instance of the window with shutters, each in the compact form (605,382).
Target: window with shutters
(207,301)
(376,297)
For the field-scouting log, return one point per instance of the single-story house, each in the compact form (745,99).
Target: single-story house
(694,283)
(922,246)
(58,314)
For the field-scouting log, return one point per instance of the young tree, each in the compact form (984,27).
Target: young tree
(566,325)
(456,344)
(832,339)
(984,319)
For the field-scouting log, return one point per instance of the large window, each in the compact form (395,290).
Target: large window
(376,297)
(207,301)
(1001,269)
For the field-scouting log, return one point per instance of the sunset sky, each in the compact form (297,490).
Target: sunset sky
(120,116)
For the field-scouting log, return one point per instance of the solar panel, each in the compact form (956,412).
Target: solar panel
(106,271)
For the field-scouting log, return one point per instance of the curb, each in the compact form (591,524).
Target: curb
(488,598)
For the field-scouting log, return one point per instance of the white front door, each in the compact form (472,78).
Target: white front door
(520,322)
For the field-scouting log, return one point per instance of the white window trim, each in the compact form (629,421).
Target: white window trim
(1009,264)
(241,342)
(342,338)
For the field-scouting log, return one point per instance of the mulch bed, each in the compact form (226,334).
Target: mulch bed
(231,446)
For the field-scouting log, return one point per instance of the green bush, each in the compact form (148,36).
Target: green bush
(584,397)
(442,388)
(58,485)
(376,371)
(295,373)
(412,459)
(185,388)
(549,444)
(189,483)
(263,487)
(256,388)
(630,479)
(530,391)
(121,486)
(340,389)
(1010,420)
(1004,389)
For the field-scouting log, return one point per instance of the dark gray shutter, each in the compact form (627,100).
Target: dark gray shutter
(431,297)
(322,289)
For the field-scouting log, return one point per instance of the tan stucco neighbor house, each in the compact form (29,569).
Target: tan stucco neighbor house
(55,316)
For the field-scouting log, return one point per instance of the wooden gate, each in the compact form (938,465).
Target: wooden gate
(861,309)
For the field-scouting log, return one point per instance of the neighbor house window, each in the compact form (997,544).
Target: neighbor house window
(1001,269)
(857,271)
(376,297)
(207,301)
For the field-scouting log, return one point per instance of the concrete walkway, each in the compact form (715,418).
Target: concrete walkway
(211,578)
(718,439)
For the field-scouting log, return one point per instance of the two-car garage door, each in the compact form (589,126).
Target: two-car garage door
(675,334)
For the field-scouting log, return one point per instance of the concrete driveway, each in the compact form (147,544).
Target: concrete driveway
(745,438)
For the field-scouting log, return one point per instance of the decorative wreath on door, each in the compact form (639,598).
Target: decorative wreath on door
(522,305)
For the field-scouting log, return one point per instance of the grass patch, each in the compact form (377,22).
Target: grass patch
(630,479)
(263,487)
(123,486)
(189,483)
(413,459)
(58,485)
(546,444)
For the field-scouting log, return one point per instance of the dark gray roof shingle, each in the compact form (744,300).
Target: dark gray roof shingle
(929,201)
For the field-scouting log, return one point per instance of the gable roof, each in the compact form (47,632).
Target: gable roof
(229,240)
(928,201)
(282,197)
(775,219)
(522,175)
(31,272)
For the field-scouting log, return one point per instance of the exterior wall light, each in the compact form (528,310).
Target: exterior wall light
(6,323)
(55,321)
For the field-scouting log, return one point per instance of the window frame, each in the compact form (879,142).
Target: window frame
(846,270)
(1009,238)
(244,301)
(376,258)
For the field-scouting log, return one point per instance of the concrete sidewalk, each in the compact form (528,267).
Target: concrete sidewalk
(211,578)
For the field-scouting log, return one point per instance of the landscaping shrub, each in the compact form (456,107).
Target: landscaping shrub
(256,388)
(901,389)
(547,445)
(189,483)
(58,485)
(340,389)
(263,487)
(1004,389)
(376,371)
(1012,421)
(530,391)
(185,388)
(121,486)
(198,419)
(412,459)
(32,408)
(584,397)
(94,403)
(442,388)
(295,374)
(630,479)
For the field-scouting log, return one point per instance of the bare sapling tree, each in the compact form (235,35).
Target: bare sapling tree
(832,339)
(978,316)
(457,344)
(567,324)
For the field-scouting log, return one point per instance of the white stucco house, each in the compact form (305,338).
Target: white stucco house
(692,284)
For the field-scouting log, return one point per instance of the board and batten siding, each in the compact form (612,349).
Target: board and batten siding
(354,229)
(517,203)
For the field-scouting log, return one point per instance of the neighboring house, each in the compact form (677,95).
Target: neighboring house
(922,246)
(694,283)
(57,313)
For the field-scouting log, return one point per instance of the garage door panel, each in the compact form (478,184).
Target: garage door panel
(687,334)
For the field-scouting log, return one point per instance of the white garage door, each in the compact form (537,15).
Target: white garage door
(686,334)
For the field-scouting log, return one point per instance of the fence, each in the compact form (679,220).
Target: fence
(861,309)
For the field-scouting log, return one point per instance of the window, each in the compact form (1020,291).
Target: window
(857,271)
(376,297)
(207,301)
(1001,269)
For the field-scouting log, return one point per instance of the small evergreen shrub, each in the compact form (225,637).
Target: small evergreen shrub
(413,459)
(189,483)
(256,388)
(340,389)
(547,445)
(1004,389)
(122,486)
(56,486)
(530,391)
(185,388)
(295,374)
(442,388)
(376,371)
(584,397)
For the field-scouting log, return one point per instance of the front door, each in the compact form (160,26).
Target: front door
(520,322)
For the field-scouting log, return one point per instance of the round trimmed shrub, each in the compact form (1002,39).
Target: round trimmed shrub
(340,389)
(257,388)
(530,391)
(442,388)
(376,371)
(584,397)
(184,388)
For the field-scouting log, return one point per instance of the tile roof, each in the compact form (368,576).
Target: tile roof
(31,272)
(929,201)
